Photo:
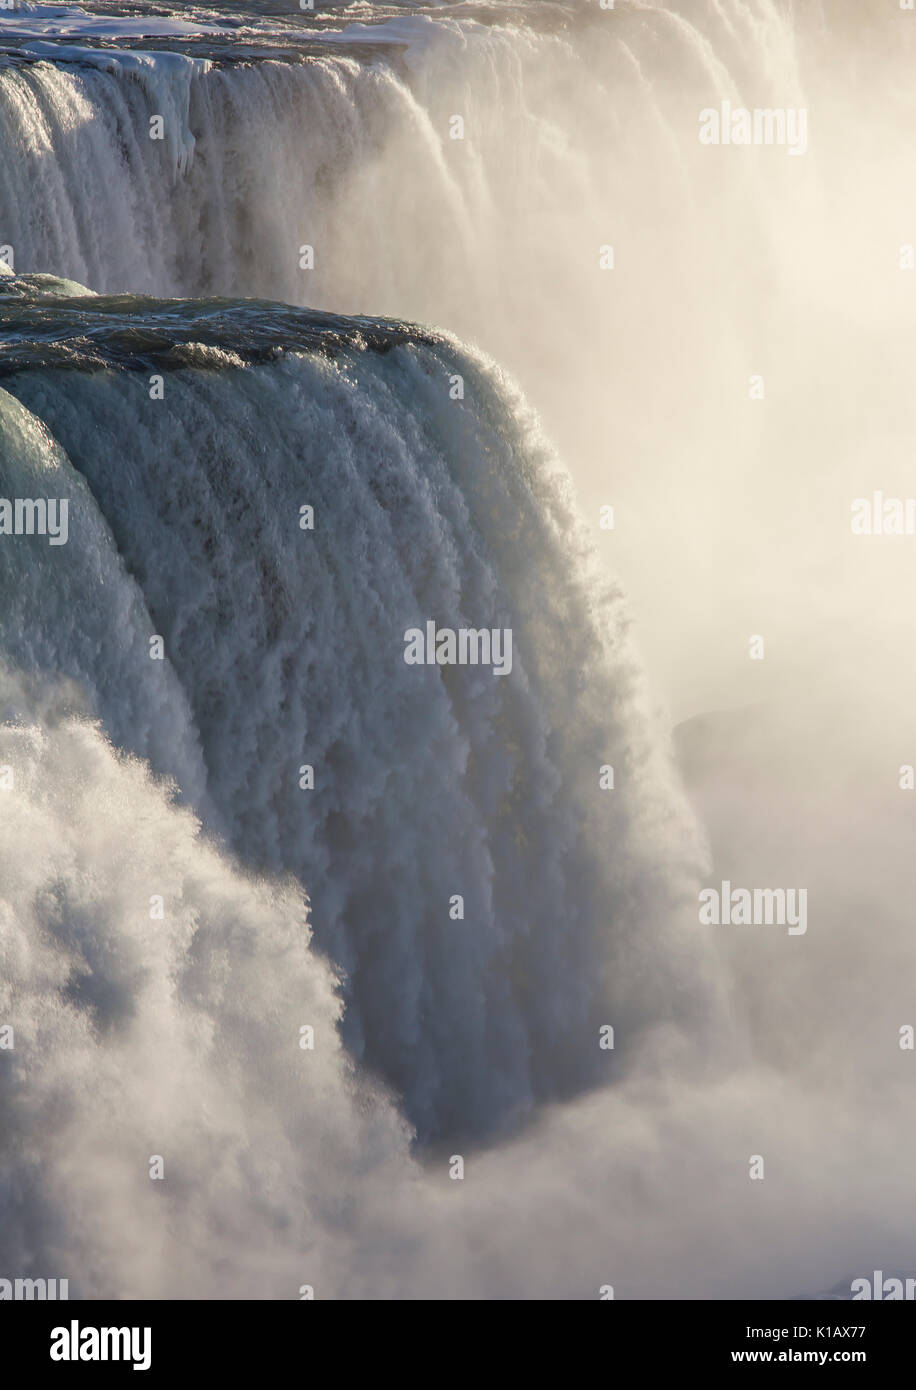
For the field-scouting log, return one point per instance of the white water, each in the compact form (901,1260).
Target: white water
(728,262)
(286,648)
(643,1184)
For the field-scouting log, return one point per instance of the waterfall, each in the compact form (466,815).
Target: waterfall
(322,329)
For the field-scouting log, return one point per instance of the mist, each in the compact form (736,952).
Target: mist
(712,340)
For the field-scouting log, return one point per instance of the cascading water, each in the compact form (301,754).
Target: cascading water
(281,132)
(285,647)
(161,962)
